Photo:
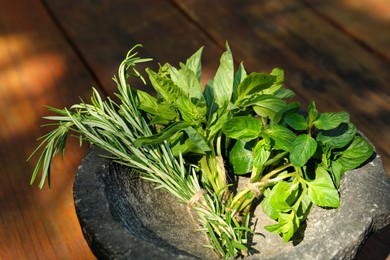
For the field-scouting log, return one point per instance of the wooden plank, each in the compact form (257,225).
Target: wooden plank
(368,21)
(110,28)
(321,62)
(37,68)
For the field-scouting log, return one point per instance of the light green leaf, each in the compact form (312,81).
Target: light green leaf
(267,106)
(194,63)
(322,191)
(242,127)
(147,102)
(327,121)
(240,157)
(223,80)
(280,193)
(266,206)
(302,150)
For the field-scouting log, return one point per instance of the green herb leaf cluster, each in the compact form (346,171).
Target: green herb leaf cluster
(195,141)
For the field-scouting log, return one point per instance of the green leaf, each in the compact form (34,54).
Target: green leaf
(288,224)
(164,86)
(338,137)
(313,113)
(266,206)
(296,121)
(337,171)
(147,102)
(267,106)
(302,150)
(254,83)
(238,78)
(261,154)
(223,80)
(322,191)
(327,121)
(357,153)
(240,157)
(194,63)
(282,136)
(197,139)
(280,194)
(162,136)
(242,127)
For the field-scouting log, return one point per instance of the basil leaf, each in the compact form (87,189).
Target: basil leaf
(197,139)
(238,78)
(254,83)
(327,121)
(147,102)
(194,63)
(282,137)
(302,150)
(296,121)
(356,154)
(165,87)
(240,157)
(268,106)
(338,137)
(321,190)
(242,127)
(223,80)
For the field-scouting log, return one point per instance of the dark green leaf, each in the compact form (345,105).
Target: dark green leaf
(242,127)
(302,150)
(197,139)
(238,78)
(322,191)
(356,154)
(162,136)
(296,121)
(313,113)
(337,171)
(327,121)
(338,137)
(240,157)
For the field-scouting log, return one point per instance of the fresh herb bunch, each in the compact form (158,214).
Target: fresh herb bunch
(196,142)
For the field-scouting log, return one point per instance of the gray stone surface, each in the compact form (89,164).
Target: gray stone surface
(123,217)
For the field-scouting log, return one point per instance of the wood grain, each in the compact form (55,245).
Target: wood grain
(37,68)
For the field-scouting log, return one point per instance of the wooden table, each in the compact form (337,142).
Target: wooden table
(52,52)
